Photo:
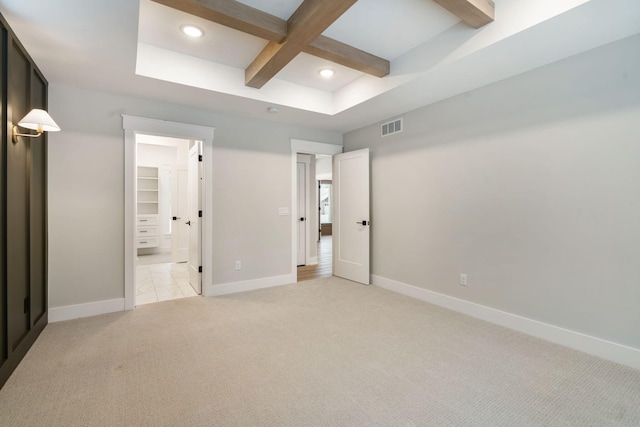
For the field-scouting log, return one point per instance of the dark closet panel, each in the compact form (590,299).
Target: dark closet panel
(38,208)
(23,206)
(4,352)
(19,87)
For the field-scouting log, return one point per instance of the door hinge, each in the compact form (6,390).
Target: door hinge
(199,157)
(199,214)
(200,269)
(26,305)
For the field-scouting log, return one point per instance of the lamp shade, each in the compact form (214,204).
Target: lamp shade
(39,120)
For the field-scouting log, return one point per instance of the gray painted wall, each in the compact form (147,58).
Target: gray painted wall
(252,178)
(530,186)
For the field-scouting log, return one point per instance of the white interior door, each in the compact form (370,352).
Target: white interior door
(194,184)
(302,213)
(179,208)
(351,215)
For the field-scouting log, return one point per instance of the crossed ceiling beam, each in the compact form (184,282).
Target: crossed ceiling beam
(302,32)
(294,32)
(305,25)
(475,13)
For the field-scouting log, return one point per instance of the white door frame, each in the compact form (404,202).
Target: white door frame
(299,146)
(306,160)
(194,185)
(132,126)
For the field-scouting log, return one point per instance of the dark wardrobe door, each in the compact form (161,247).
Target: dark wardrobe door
(18,204)
(23,213)
(38,209)
(3,205)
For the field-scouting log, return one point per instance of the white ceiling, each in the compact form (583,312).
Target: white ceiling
(135,48)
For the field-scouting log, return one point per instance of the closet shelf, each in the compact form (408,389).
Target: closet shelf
(148,198)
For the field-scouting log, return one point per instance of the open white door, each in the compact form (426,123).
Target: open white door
(179,208)
(302,214)
(351,215)
(194,184)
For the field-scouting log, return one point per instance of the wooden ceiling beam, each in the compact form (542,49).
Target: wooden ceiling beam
(234,14)
(252,21)
(475,13)
(305,25)
(349,56)
(247,19)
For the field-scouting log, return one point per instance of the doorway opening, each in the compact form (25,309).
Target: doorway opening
(201,152)
(312,241)
(315,199)
(167,200)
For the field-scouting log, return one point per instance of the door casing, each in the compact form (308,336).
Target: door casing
(194,198)
(304,210)
(133,125)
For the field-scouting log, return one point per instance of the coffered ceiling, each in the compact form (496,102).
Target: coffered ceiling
(370,27)
(136,48)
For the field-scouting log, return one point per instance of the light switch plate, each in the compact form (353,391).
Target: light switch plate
(283,211)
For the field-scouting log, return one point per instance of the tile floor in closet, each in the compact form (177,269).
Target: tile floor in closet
(161,281)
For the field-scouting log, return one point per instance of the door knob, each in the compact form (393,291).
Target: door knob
(175,218)
(301,218)
(364,222)
(188,222)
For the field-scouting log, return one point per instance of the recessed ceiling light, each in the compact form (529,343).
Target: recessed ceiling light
(192,31)
(326,73)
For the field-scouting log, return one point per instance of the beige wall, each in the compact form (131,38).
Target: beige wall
(530,186)
(86,192)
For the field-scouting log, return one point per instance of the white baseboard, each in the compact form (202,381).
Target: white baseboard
(59,314)
(249,285)
(618,353)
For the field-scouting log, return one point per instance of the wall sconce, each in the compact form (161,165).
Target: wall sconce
(38,120)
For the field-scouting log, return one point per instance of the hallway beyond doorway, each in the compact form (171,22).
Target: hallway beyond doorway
(324,266)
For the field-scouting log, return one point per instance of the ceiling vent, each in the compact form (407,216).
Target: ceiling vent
(390,128)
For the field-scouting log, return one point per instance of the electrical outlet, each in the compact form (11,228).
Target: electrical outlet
(463,279)
(238,265)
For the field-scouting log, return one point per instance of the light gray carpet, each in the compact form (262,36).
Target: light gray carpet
(326,352)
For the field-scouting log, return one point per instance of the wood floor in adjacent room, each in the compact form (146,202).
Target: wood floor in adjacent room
(324,267)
